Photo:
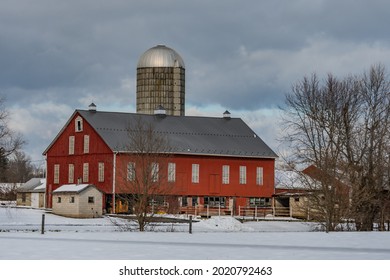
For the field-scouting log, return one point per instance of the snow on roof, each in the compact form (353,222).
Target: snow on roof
(41,187)
(33,185)
(72,188)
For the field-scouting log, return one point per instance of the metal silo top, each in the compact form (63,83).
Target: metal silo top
(160,56)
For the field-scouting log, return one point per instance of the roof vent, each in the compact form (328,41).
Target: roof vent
(226,115)
(92,107)
(160,111)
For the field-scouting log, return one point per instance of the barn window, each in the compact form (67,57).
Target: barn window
(101,172)
(59,199)
(71,199)
(195,173)
(91,199)
(71,173)
(259,201)
(242,174)
(225,174)
(71,145)
(171,172)
(85,172)
(86,144)
(79,124)
(56,173)
(214,201)
(131,171)
(184,201)
(194,200)
(155,170)
(259,176)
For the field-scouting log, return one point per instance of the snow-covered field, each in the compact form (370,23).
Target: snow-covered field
(218,238)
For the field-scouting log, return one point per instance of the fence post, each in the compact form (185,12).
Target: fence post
(190,225)
(219,210)
(255,211)
(43,224)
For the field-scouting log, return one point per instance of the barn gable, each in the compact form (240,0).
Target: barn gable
(70,128)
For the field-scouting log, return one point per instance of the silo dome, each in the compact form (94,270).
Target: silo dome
(160,56)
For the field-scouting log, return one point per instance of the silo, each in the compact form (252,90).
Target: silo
(161,81)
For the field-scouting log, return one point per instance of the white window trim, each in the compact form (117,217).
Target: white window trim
(242,174)
(171,172)
(71,173)
(56,174)
(225,174)
(131,171)
(155,170)
(78,124)
(71,144)
(86,144)
(259,176)
(85,172)
(195,173)
(101,172)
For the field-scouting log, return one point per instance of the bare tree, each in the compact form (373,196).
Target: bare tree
(146,177)
(342,127)
(369,149)
(313,128)
(9,140)
(20,169)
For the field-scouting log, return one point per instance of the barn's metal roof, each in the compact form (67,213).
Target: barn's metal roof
(185,134)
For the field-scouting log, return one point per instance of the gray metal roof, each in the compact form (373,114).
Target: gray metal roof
(185,134)
(33,185)
(160,56)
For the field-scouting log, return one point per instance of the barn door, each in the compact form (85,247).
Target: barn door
(214,183)
(181,182)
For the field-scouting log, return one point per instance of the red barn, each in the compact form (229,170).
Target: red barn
(216,161)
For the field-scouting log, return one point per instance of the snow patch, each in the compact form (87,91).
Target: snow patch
(223,223)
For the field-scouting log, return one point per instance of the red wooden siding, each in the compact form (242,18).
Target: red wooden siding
(210,176)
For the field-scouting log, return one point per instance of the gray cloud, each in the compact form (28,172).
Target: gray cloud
(240,55)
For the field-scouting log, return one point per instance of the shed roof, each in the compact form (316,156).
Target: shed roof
(33,185)
(185,134)
(73,188)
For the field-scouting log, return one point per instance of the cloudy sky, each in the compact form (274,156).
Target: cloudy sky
(240,55)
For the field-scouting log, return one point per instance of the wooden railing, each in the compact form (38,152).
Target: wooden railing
(254,212)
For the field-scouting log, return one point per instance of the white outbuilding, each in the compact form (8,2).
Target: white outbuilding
(78,201)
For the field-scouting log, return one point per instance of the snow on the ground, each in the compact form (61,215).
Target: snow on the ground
(216,238)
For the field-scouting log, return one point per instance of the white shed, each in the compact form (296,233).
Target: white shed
(78,201)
